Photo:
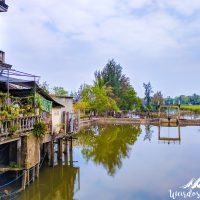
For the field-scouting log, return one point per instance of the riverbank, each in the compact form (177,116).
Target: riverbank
(141,121)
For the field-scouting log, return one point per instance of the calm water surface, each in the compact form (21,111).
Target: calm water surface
(122,162)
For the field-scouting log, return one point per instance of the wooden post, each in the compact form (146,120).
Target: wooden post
(60,148)
(33,173)
(37,170)
(78,120)
(27,177)
(159,111)
(65,122)
(159,132)
(179,134)
(179,112)
(66,153)
(71,158)
(71,145)
(24,181)
(50,147)
(52,153)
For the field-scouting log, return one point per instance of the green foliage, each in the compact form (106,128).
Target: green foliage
(129,100)
(185,100)
(60,91)
(39,129)
(191,107)
(111,91)
(122,91)
(14,165)
(13,129)
(148,91)
(96,98)
(45,87)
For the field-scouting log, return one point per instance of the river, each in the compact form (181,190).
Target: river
(122,162)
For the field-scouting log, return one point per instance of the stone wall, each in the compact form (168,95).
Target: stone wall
(30,151)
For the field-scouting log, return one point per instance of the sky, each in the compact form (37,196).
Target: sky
(65,41)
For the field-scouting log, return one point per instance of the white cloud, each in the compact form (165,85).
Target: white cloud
(78,36)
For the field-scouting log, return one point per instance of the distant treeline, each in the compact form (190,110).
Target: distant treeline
(184,100)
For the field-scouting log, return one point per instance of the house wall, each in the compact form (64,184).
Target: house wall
(57,119)
(67,102)
(58,113)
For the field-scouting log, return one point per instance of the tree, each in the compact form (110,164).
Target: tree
(96,98)
(148,92)
(123,93)
(60,91)
(45,87)
(157,98)
(129,100)
(111,75)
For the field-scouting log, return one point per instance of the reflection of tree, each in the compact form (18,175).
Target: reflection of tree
(109,145)
(148,132)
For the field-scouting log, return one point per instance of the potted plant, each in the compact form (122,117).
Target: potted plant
(13,130)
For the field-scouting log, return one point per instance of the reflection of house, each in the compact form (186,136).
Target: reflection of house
(3,6)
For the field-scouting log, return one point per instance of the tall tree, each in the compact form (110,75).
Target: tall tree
(123,93)
(148,92)
(111,75)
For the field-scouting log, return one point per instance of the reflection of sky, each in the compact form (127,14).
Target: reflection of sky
(151,170)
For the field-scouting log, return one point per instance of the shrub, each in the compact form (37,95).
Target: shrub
(13,129)
(39,129)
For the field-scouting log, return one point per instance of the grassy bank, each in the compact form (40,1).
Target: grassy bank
(191,107)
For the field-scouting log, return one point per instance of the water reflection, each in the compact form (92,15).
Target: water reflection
(148,132)
(168,139)
(59,182)
(108,145)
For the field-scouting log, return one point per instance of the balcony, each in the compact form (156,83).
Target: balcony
(22,125)
(3,6)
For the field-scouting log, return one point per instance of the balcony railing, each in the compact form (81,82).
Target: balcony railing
(3,6)
(21,125)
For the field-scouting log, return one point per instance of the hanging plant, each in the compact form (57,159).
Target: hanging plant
(13,129)
(39,129)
